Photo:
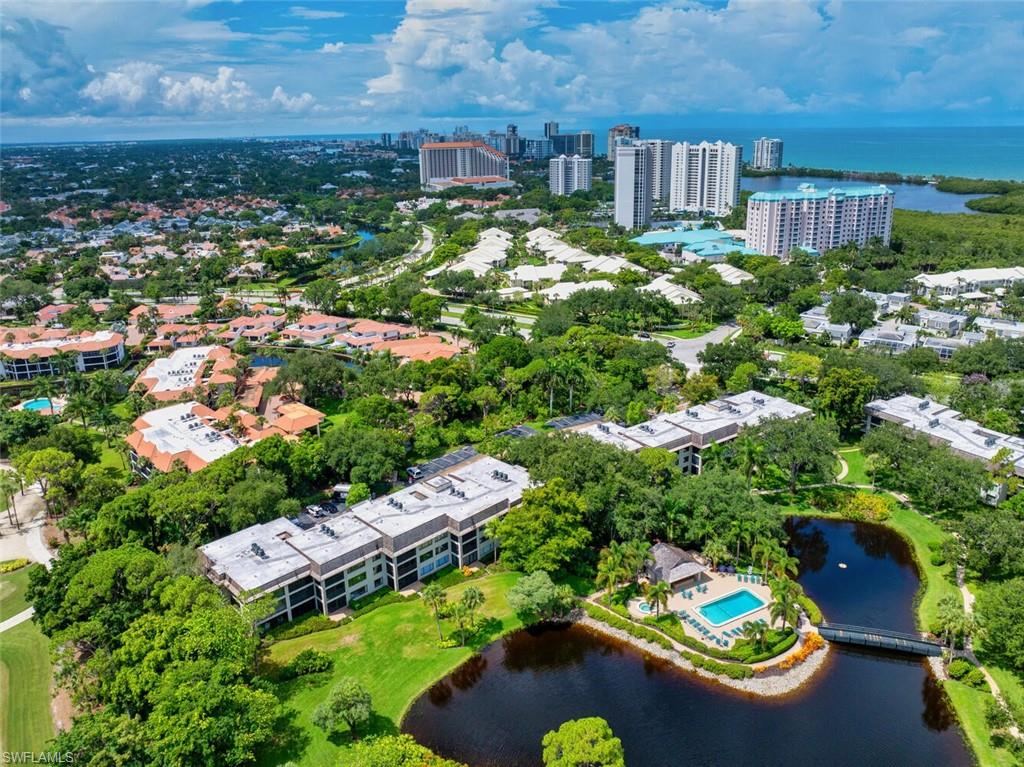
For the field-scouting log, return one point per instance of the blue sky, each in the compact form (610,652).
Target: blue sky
(182,68)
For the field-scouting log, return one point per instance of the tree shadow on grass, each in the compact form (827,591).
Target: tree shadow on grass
(378,725)
(487,630)
(290,740)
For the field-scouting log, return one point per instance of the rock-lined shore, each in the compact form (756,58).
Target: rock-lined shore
(773,682)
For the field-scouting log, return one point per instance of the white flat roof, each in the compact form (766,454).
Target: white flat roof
(176,429)
(682,428)
(334,538)
(966,276)
(235,557)
(458,494)
(178,371)
(949,426)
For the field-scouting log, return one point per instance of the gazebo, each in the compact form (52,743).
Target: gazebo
(673,565)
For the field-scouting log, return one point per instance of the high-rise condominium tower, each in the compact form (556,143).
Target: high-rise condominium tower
(622,131)
(767,153)
(805,217)
(633,184)
(706,177)
(569,174)
(661,168)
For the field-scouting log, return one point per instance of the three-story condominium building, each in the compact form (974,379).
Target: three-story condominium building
(387,542)
(569,174)
(633,184)
(466,160)
(819,220)
(689,432)
(27,352)
(705,177)
(767,154)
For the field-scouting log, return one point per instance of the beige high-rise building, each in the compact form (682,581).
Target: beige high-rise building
(622,131)
(706,177)
(464,160)
(661,168)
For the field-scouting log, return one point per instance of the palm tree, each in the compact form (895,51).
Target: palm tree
(715,552)
(714,455)
(571,372)
(436,598)
(43,388)
(9,485)
(636,555)
(743,529)
(952,620)
(472,599)
(460,615)
(756,632)
(78,406)
(786,606)
(674,512)
(749,456)
(657,594)
(766,551)
(106,420)
(785,564)
(611,566)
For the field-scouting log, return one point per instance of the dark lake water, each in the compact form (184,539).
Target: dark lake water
(907,196)
(865,708)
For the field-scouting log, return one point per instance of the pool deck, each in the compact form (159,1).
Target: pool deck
(718,585)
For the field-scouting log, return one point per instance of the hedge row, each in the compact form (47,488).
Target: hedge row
(624,624)
(731,670)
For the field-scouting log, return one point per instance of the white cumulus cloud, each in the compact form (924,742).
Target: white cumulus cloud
(314,14)
(332,47)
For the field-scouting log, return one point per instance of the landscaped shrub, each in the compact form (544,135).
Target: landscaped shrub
(866,506)
(958,668)
(812,643)
(812,610)
(308,624)
(12,564)
(631,628)
(976,678)
(742,650)
(309,661)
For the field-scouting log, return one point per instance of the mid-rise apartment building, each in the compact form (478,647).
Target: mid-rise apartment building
(705,177)
(819,220)
(689,432)
(945,426)
(767,154)
(466,160)
(633,183)
(27,352)
(387,542)
(966,282)
(569,174)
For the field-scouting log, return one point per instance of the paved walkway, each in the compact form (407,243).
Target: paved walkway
(15,620)
(25,542)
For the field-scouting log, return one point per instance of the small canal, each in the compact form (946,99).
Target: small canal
(865,707)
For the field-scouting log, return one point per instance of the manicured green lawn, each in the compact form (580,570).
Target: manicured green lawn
(855,460)
(12,593)
(25,720)
(940,385)
(694,332)
(970,708)
(393,651)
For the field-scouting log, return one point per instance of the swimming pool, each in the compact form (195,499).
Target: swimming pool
(730,607)
(38,404)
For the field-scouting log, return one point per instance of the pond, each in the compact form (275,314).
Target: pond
(908,196)
(865,707)
(364,236)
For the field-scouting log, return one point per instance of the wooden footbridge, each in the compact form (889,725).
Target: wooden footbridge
(882,638)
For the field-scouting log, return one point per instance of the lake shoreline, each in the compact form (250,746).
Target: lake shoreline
(773,683)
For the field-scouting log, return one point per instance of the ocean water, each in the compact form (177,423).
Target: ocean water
(971,152)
